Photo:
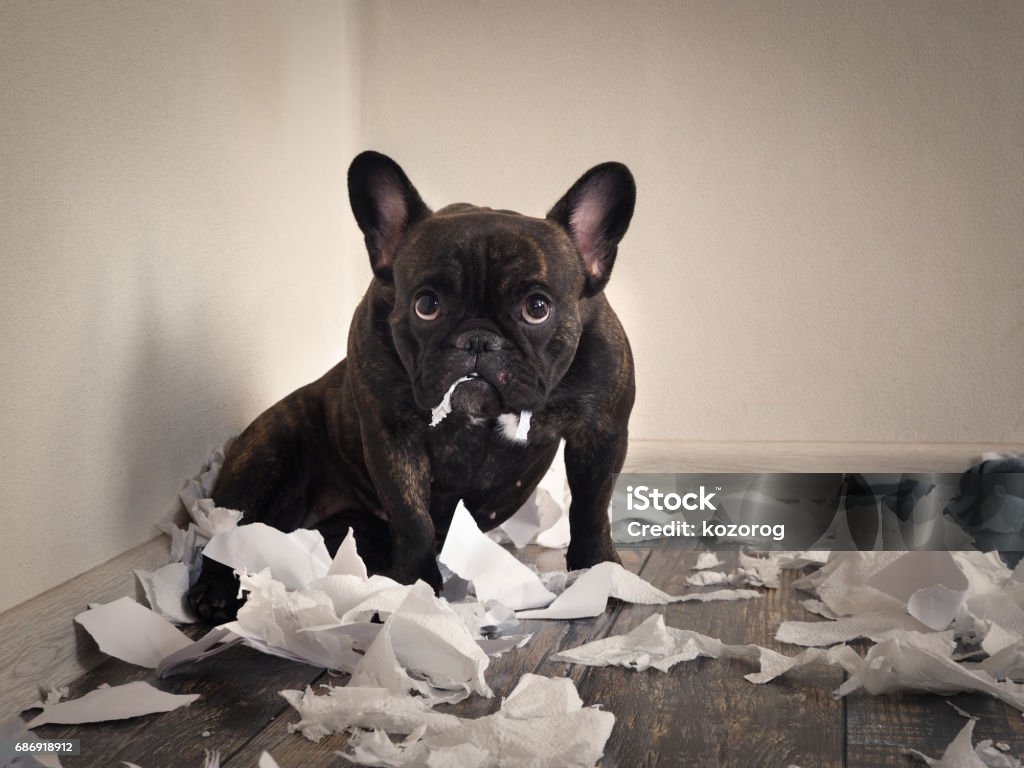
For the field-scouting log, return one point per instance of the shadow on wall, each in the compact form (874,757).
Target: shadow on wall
(184,391)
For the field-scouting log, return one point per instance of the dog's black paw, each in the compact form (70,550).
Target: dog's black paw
(214,596)
(578,557)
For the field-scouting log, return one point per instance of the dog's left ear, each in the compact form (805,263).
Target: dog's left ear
(385,204)
(596,213)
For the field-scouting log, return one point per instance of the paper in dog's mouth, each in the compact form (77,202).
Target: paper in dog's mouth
(521,420)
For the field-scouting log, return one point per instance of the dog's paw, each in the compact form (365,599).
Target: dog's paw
(214,596)
(577,558)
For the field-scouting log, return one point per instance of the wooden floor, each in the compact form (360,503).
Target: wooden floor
(701,713)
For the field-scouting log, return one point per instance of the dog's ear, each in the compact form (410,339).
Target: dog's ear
(596,212)
(385,204)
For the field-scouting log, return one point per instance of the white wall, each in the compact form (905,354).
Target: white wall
(829,236)
(827,245)
(172,218)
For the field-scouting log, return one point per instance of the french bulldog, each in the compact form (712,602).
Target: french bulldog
(484,339)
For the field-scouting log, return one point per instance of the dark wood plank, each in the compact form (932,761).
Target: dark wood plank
(238,697)
(703,713)
(879,728)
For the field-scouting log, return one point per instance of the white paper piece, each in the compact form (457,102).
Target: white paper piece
(496,646)
(50,694)
(542,724)
(294,558)
(165,590)
(496,574)
(380,599)
(440,411)
(708,579)
(351,706)
(115,703)
(347,560)
(797,560)
(870,625)
(266,761)
(131,632)
(523,430)
(557,536)
(759,571)
(588,596)
(649,645)
(961,754)
(544,517)
(186,547)
(212,520)
(707,560)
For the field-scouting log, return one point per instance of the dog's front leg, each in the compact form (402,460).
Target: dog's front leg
(400,472)
(591,460)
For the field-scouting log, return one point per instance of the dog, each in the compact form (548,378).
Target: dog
(484,339)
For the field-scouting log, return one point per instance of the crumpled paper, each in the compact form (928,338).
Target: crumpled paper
(752,571)
(541,724)
(425,637)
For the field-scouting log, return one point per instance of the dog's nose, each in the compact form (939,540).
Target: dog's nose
(478,341)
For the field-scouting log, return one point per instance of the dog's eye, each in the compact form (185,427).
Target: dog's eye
(536,309)
(427,306)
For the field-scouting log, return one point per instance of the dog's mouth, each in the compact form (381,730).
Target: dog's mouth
(477,398)
(474,396)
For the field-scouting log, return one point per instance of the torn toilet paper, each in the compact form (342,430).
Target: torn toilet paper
(542,724)
(112,703)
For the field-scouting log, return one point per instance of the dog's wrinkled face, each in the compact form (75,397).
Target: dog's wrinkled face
(490,295)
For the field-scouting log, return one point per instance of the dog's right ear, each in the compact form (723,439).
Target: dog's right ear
(385,204)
